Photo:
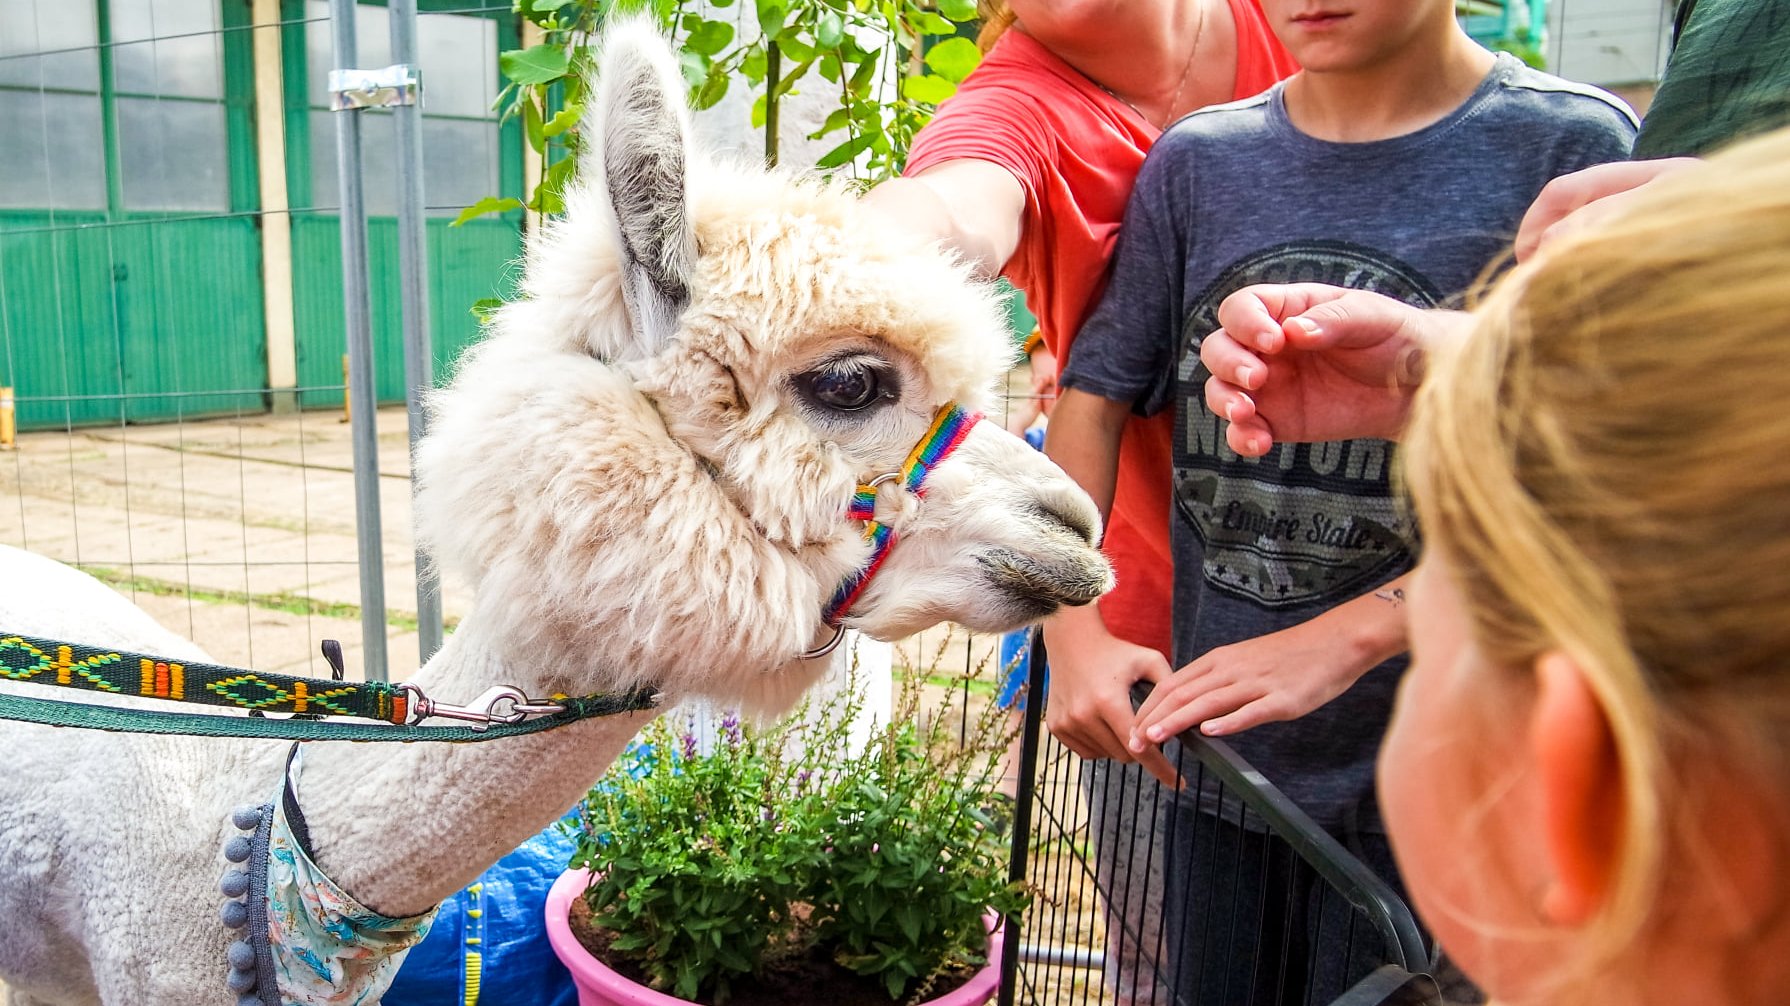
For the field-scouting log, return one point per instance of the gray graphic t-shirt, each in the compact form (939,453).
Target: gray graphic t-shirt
(1235,195)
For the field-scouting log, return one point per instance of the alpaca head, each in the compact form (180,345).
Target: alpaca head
(769,346)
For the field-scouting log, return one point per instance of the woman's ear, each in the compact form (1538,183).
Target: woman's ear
(1580,778)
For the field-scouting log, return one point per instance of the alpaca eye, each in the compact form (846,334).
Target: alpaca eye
(849,385)
(849,391)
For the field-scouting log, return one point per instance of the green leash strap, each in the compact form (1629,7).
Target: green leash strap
(72,665)
(32,660)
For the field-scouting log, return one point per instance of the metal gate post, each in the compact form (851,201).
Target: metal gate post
(358,322)
(1017,855)
(413,268)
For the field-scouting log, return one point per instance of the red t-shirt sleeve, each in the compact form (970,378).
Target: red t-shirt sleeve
(993,124)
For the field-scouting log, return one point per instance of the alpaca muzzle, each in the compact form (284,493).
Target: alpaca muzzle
(949,428)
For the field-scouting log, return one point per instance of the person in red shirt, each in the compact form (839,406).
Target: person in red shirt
(1026,172)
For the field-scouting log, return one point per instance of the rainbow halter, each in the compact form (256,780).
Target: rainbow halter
(949,428)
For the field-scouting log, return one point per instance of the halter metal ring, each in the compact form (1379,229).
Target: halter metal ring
(829,646)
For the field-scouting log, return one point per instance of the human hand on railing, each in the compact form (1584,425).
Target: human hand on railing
(1308,362)
(1280,676)
(1091,674)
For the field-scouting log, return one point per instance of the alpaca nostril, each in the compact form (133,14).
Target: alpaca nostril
(1074,520)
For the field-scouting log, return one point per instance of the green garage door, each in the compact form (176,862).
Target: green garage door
(129,250)
(466,155)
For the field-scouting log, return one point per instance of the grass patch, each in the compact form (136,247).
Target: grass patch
(976,685)
(283,601)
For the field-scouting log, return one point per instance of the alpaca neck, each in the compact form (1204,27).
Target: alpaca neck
(403,826)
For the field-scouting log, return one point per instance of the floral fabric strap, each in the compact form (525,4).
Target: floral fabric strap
(306,941)
(949,428)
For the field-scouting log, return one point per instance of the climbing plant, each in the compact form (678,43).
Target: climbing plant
(890,62)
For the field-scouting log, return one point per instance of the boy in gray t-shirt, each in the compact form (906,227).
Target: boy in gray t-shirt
(1288,567)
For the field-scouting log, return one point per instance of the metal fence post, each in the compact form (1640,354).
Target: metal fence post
(413,267)
(357,317)
(1018,851)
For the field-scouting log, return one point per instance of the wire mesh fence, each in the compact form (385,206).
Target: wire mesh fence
(172,306)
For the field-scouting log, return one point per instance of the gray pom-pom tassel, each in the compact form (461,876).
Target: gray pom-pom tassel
(246,817)
(235,884)
(237,849)
(234,914)
(240,981)
(250,1000)
(240,955)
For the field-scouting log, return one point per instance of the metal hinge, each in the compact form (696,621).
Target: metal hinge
(399,84)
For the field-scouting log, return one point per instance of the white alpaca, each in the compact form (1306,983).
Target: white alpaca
(644,471)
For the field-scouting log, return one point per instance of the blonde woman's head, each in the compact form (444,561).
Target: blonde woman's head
(1588,775)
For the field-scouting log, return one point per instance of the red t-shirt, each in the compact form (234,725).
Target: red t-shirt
(1076,150)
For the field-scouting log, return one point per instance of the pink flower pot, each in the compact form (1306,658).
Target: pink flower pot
(600,986)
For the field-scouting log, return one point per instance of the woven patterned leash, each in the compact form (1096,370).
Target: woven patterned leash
(500,712)
(949,428)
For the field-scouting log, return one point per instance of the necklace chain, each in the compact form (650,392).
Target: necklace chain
(1193,50)
(1199,32)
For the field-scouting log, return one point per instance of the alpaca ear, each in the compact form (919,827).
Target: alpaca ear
(642,152)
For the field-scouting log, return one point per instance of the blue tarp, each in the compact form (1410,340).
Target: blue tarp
(488,946)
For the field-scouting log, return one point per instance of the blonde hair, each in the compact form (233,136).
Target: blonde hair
(1606,464)
(996,17)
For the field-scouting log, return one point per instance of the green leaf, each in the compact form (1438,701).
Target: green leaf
(562,120)
(929,89)
(843,153)
(531,124)
(830,31)
(712,90)
(694,65)
(954,58)
(758,112)
(539,64)
(796,49)
(489,204)
(485,307)
(770,16)
(710,37)
(792,77)
(931,24)
(837,120)
(958,10)
(549,195)
(753,66)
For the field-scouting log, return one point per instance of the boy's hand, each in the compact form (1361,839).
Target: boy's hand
(1585,197)
(1280,676)
(1091,674)
(1309,362)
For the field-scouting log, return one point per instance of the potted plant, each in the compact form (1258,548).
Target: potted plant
(781,865)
